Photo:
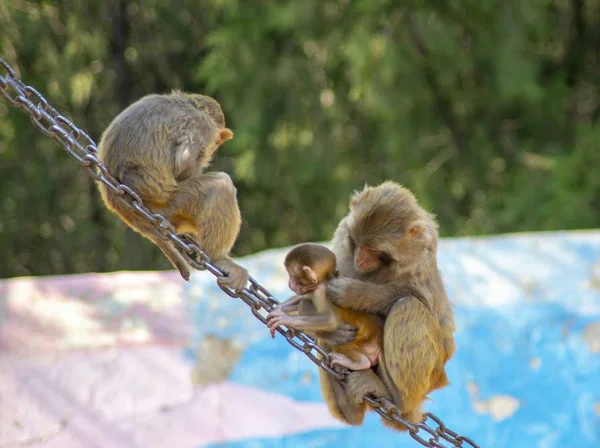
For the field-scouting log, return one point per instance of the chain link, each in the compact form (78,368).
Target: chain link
(82,148)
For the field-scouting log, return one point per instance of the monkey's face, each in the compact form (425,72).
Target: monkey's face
(303,279)
(307,265)
(387,229)
(301,284)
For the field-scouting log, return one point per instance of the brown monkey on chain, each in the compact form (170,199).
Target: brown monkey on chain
(309,267)
(159,146)
(386,251)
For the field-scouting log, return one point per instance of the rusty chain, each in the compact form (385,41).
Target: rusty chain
(82,148)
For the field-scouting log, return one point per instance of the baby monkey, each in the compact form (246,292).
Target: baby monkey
(159,146)
(309,267)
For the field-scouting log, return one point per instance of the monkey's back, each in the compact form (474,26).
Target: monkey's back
(139,147)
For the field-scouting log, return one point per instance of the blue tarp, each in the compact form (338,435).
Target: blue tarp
(527,366)
(145,360)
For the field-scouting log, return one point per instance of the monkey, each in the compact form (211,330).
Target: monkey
(309,266)
(386,248)
(159,146)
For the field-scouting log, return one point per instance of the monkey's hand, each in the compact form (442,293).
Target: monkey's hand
(343,334)
(276,318)
(336,290)
(237,276)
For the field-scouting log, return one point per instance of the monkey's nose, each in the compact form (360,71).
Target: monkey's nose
(365,266)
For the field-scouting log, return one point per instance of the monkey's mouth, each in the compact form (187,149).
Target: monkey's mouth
(366,268)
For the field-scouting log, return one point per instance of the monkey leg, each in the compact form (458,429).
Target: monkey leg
(362,383)
(292,304)
(409,357)
(409,405)
(338,402)
(362,363)
(205,206)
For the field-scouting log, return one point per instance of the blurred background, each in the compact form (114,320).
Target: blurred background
(488,111)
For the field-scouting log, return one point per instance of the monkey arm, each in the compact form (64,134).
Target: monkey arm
(317,322)
(363,296)
(342,334)
(291,304)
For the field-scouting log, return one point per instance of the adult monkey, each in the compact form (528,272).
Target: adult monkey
(386,252)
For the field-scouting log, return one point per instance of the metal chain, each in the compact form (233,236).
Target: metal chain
(82,148)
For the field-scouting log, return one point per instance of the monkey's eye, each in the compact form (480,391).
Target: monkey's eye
(352,243)
(385,258)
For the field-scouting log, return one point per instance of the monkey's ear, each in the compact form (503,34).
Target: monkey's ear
(310,274)
(224,135)
(415,229)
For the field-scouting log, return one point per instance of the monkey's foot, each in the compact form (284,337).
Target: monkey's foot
(337,359)
(237,276)
(337,367)
(276,318)
(414,416)
(189,239)
(362,383)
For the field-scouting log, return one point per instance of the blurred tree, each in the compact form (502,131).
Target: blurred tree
(487,110)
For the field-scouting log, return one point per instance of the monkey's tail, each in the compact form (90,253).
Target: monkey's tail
(174,257)
(140,225)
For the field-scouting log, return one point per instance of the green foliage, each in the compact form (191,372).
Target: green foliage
(488,111)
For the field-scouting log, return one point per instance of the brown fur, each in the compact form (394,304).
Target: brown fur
(386,250)
(368,330)
(159,146)
(309,267)
(315,256)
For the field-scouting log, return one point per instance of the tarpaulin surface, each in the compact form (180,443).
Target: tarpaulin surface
(144,359)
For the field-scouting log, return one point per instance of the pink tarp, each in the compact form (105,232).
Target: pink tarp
(98,360)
